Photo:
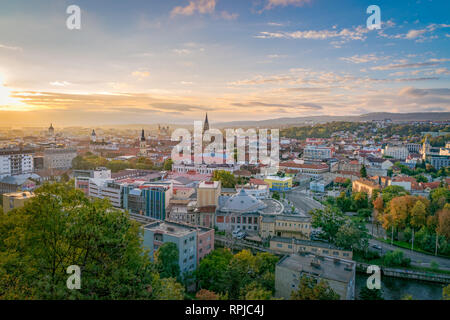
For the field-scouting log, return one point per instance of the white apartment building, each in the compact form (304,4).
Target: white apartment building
(204,168)
(15,162)
(59,158)
(396,152)
(317,152)
(106,189)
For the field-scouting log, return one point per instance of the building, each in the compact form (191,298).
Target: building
(51,130)
(82,177)
(290,245)
(242,211)
(365,185)
(287,226)
(339,273)
(204,168)
(15,200)
(397,152)
(193,243)
(59,158)
(277,183)
(150,199)
(93,136)
(142,145)
(208,193)
(106,189)
(15,162)
(317,153)
(312,170)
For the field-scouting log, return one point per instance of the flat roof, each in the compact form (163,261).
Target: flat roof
(324,267)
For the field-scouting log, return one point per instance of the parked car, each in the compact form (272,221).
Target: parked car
(376,246)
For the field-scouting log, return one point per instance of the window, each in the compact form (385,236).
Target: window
(279,245)
(335,253)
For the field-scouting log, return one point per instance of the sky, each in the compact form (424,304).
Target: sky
(171,61)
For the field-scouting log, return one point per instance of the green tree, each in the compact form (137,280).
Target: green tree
(329,220)
(371,294)
(227,178)
(363,171)
(446,292)
(168,163)
(60,227)
(166,258)
(311,289)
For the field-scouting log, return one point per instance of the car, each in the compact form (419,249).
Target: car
(376,246)
(236,232)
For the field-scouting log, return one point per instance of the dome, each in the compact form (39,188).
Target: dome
(242,202)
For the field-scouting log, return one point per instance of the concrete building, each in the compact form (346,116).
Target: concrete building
(15,162)
(208,193)
(287,226)
(313,170)
(397,152)
(290,245)
(15,200)
(193,243)
(365,185)
(339,273)
(204,168)
(106,189)
(150,199)
(317,153)
(82,177)
(59,158)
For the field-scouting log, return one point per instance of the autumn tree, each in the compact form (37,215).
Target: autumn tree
(204,294)
(311,288)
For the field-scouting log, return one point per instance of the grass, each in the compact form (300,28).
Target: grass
(407,245)
(379,262)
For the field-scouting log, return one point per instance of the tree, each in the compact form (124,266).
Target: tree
(255,291)
(418,218)
(363,171)
(211,272)
(60,227)
(168,164)
(352,235)
(444,221)
(360,201)
(312,289)
(395,259)
(329,220)
(204,294)
(371,294)
(166,258)
(227,178)
(446,292)
(276,195)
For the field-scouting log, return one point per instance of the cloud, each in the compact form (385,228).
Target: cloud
(419,35)
(60,83)
(344,35)
(410,91)
(140,74)
(306,105)
(283,3)
(405,66)
(361,58)
(2,46)
(201,7)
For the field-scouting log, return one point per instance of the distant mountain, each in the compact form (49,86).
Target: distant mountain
(395,117)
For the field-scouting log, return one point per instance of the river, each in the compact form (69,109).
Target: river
(396,288)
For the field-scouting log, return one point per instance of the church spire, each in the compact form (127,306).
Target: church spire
(206,125)
(143,135)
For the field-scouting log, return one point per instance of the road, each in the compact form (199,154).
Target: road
(302,201)
(417,258)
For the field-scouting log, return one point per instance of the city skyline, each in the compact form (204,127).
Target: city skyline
(172,61)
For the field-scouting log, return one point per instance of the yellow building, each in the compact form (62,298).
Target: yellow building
(15,200)
(365,185)
(208,193)
(288,226)
(278,183)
